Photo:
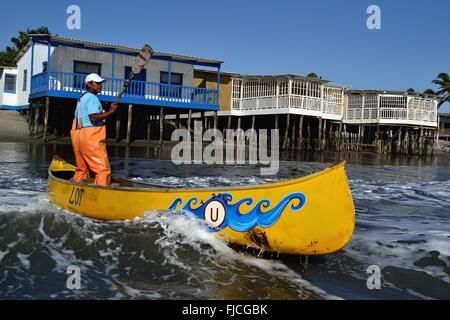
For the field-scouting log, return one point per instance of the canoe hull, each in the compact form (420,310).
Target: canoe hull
(310,215)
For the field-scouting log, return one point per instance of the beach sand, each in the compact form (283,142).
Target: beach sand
(13,127)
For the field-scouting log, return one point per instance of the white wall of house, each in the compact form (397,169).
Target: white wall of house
(65,57)
(6,98)
(40,55)
(62,60)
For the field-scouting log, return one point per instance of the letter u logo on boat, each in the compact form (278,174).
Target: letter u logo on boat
(214,213)
(219,211)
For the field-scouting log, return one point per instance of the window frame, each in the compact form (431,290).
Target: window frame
(25,80)
(99,65)
(15,83)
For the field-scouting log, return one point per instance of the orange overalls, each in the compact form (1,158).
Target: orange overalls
(89,146)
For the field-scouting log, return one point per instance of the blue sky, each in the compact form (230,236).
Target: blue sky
(329,37)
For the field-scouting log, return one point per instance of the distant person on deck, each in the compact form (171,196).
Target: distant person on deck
(88,134)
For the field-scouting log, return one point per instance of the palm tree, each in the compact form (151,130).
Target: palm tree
(8,55)
(429,91)
(410,90)
(443,81)
(23,38)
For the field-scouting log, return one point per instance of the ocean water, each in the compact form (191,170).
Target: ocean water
(402,227)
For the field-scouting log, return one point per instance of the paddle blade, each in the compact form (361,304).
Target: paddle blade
(142,58)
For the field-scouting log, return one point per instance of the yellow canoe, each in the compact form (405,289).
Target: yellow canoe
(309,215)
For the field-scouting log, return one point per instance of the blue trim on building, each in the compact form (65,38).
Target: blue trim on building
(128,100)
(32,59)
(7,107)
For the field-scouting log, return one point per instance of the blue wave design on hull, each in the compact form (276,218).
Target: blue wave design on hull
(236,220)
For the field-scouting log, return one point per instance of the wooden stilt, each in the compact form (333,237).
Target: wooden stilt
(339,141)
(161,126)
(319,135)
(216,120)
(36,119)
(308,137)
(300,133)
(276,121)
(129,121)
(239,123)
(189,120)
(177,120)
(46,112)
(118,126)
(149,127)
(286,133)
(202,119)
(294,132)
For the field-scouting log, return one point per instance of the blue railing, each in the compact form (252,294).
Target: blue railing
(74,83)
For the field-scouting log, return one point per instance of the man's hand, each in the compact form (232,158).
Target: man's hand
(114,107)
(96,117)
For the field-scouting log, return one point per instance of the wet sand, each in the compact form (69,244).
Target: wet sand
(13,127)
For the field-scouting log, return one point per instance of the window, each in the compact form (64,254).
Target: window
(87,67)
(10,83)
(84,68)
(176,79)
(25,77)
(44,66)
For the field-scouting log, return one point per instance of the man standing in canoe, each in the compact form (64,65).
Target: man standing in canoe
(88,134)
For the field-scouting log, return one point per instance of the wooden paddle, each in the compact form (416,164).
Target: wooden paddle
(141,60)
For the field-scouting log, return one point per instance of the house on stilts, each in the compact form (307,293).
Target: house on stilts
(174,90)
(55,68)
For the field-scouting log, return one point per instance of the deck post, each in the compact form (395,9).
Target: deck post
(308,136)
(203,121)
(324,135)
(358,138)
(286,132)
(149,127)
(216,120)
(36,119)
(129,120)
(294,131)
(46,112)
(189,121)
(229,123)
(177,120)
(161,126)
(239,123)
(276,121)
(320,134)
(117,126)
(399,141)
(421,151)
(300,133)
(339,137)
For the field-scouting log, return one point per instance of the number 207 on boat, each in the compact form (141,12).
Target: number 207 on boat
(76,196)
